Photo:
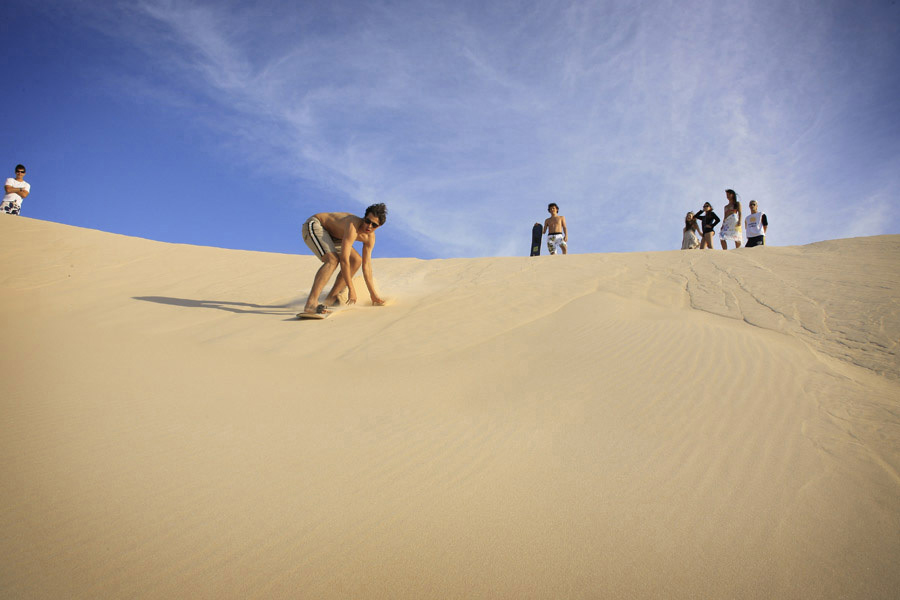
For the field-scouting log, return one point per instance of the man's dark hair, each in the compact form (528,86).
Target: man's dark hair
(379,210)
(20,167)
(552,205)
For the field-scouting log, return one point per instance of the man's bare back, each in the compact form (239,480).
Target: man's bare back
(338,225)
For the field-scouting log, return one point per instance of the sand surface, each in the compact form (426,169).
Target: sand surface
(647,425)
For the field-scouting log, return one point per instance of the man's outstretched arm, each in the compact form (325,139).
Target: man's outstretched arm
(367,270)
(346,273)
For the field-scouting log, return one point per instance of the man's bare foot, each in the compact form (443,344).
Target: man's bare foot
(321,309)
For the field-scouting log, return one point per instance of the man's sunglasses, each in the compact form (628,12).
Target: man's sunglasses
(23,172)
(371,223)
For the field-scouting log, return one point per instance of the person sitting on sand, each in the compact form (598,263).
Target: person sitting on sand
(709,220)
(757,224)
(691,238)
(331,237)
(559,234)
(731,226)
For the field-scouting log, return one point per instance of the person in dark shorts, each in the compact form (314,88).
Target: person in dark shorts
(756,225)
(709,220)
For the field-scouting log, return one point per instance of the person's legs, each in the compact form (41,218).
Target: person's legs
(555,242)
(319,241)
(339,284)
(329,264)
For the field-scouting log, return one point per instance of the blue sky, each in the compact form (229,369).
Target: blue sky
(228,123)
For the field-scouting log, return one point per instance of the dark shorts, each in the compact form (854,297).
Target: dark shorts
(759,240)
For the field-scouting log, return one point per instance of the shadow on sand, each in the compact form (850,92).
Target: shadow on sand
(233,307)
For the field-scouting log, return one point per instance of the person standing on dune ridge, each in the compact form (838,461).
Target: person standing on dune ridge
(757,225)
(691,233)
(731,226)
(559,234)
(17,189)
(709,220)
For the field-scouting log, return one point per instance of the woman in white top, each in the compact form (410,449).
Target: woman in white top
(731,225)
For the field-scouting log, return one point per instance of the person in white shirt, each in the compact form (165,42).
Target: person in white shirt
(17,189)
(756,226)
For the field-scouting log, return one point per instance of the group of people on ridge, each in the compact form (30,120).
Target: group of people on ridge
(699,227)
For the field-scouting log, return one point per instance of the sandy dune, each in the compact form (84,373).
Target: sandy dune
(649,425)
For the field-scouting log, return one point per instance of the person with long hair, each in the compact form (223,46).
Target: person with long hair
(691,238)
(709,220)
(731,226)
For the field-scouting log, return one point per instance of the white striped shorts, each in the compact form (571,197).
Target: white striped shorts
(319,240)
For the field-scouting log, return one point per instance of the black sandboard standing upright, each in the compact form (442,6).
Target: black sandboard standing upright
(536,233)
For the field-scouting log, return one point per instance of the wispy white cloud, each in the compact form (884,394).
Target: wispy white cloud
(468,118)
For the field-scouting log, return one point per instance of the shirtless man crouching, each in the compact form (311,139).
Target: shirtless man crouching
(331,237)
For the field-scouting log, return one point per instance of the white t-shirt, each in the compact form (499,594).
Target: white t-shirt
(13,197)
(755,222)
